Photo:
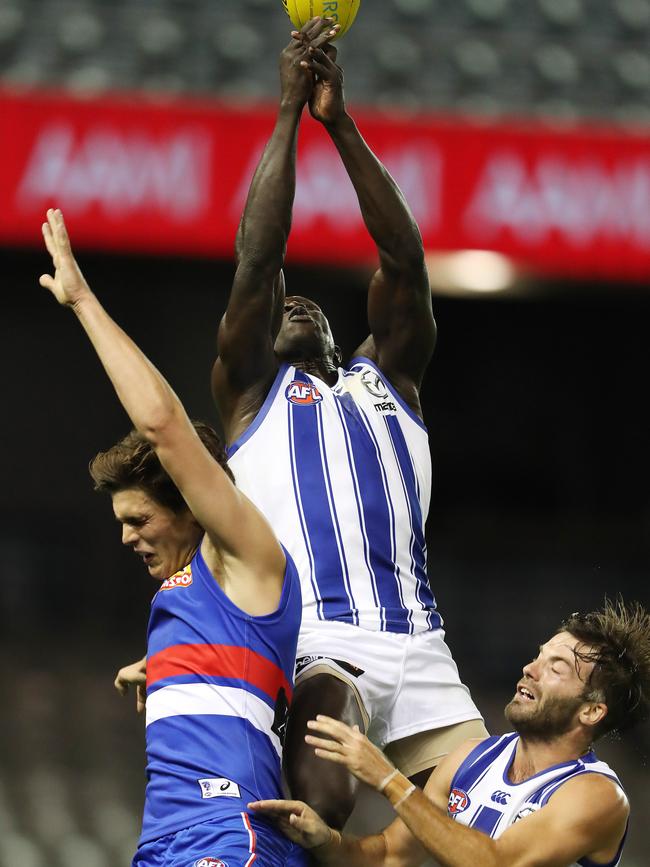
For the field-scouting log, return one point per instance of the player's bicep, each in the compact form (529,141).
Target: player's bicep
(583,818)
(250,325)
(400,316)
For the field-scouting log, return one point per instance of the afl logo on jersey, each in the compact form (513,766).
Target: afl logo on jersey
(303,393)
(458,802)
(210,862)
(180,579)
(374,384)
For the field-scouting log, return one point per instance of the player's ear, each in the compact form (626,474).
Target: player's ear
(337,355)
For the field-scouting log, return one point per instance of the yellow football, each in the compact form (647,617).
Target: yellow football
(342,11)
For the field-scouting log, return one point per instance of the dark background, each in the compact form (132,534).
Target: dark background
(538,417)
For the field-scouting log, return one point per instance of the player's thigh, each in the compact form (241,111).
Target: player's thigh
(329,788)
(153,854)
(417,755)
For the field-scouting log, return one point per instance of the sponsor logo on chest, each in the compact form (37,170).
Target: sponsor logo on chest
(303,393)
(180,579)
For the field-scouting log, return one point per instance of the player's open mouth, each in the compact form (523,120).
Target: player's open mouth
(525,693)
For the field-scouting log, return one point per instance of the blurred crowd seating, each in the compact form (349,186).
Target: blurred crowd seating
(563,59)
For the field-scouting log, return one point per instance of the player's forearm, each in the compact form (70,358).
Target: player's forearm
(352,851)
(266,222)
(451,844)
(144,393)
(385,210)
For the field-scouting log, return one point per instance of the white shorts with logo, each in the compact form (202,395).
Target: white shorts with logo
(406,684)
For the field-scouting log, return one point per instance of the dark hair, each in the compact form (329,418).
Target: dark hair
(619,638)
(133,463)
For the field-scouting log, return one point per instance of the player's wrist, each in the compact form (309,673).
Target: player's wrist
(291,106)
(397,788)
(328,850)
(339,124)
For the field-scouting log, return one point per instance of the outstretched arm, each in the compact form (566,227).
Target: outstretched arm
(232,523)
(403,331)
(252,320)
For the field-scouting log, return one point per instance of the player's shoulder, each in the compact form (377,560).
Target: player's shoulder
(595,789)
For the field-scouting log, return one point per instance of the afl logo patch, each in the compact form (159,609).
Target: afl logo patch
(374,384)
(180,579)
(210,862)
(458,802)
(303,393)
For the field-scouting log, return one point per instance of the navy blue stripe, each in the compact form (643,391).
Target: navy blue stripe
(310,478)
(261,415)
(354,611)
(409,483)
(479,761)
(487,820)
(305,536)
(377,514)
(362,528)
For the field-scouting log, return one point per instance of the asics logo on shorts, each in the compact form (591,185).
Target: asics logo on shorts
(210,862)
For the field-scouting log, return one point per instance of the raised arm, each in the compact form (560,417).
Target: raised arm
(247,364)
(233,525)
(403,330)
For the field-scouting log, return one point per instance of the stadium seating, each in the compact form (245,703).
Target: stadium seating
(569,59)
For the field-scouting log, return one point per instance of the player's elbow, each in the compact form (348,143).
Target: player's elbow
(160,424)
(405,258)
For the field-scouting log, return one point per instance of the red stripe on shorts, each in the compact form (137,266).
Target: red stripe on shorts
(251,838)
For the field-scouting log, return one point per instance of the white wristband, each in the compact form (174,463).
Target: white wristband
(387,780)
(407,794)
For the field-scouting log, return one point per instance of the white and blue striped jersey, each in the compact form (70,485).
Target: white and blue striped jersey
(343,474)
(482,797)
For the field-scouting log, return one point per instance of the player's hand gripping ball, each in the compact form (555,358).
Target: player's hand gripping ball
(342,11)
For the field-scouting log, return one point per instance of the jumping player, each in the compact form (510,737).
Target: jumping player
(538,797)
(224,624)
(337,457)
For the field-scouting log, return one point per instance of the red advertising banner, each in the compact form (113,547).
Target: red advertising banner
(172,178)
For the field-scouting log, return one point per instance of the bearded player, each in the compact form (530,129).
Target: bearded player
(337,457)
(538,797)
(224,624)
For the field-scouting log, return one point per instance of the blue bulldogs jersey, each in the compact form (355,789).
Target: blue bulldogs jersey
(219,684)
(482,797)
(343,474)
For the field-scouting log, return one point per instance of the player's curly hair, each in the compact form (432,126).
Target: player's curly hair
(133,463)
(619,638)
